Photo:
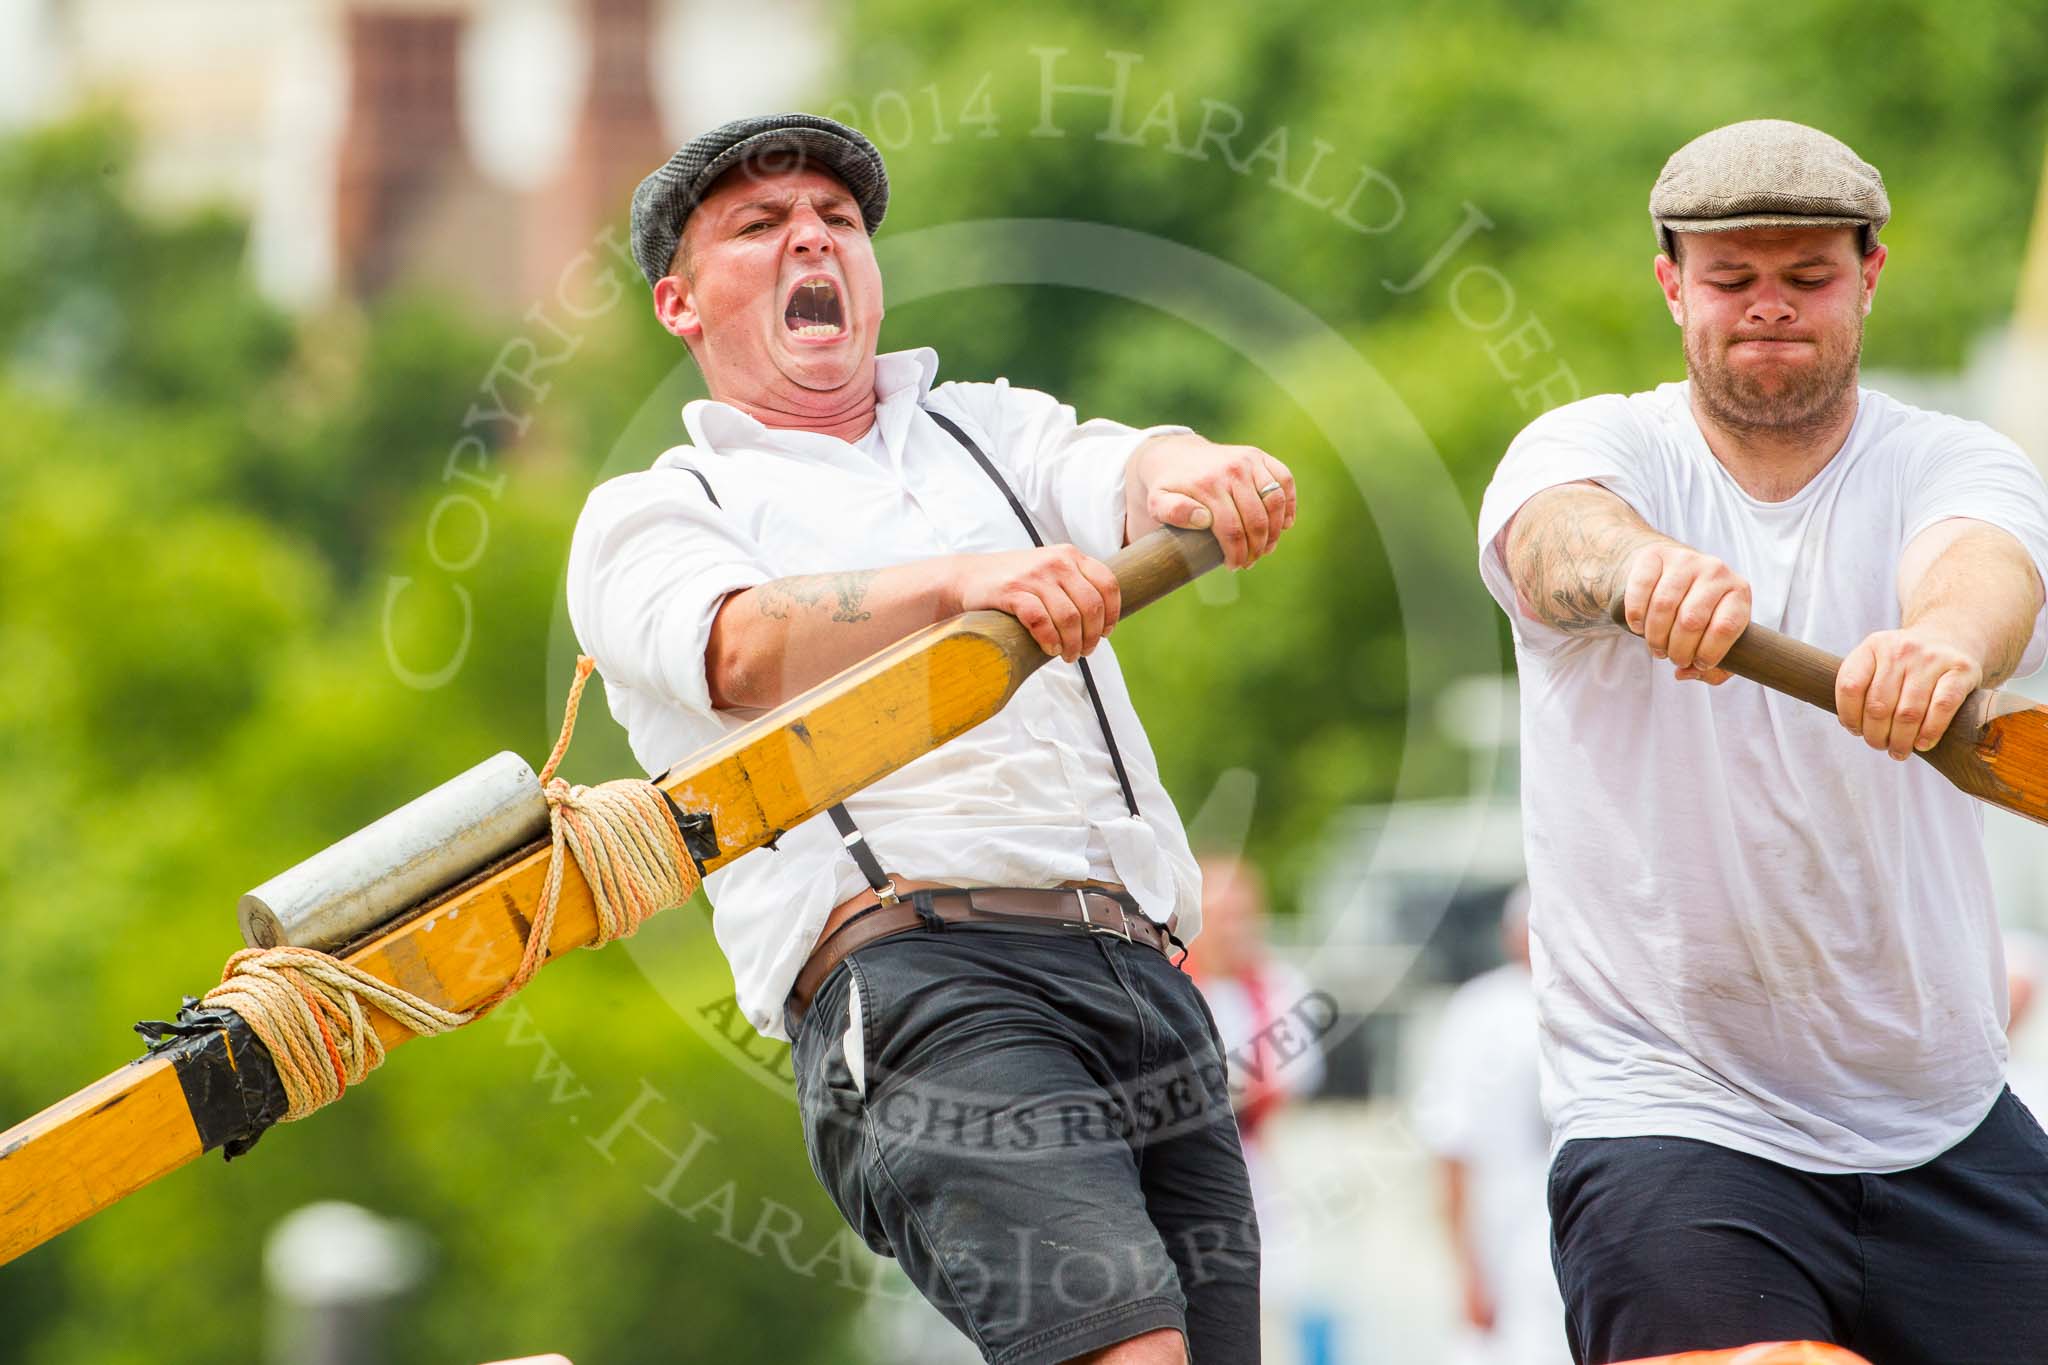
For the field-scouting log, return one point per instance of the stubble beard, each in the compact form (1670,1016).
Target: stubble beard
(1807,399)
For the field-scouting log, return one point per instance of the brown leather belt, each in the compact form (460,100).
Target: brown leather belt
(1088,909)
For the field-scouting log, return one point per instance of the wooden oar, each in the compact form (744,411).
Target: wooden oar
(1996,747)
(217,1088)
(1765,1353)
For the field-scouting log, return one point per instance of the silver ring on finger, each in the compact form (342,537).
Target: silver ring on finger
(1269,490)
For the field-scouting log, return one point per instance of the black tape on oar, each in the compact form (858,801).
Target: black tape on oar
(699,837)
(231,1086)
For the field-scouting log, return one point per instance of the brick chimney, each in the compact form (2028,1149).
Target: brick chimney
(402,139)
(618,139)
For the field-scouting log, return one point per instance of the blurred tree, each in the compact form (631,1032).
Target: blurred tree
(205,509)
(206,506)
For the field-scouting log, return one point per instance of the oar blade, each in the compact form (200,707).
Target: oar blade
(2003,757)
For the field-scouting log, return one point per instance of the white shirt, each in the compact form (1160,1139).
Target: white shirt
(1478,1105)
(1027,798)
(1749,927)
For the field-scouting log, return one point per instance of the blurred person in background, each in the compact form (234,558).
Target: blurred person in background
(1266,1011)
(1270,1020)
(2026,957)
(1479,1112)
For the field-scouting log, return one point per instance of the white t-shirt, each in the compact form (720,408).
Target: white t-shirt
(1748,926)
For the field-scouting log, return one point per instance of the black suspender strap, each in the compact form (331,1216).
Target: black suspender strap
(698,475)
(995,475)
(1116,758)
(863,856)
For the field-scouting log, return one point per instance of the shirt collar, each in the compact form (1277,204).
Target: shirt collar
(902,379)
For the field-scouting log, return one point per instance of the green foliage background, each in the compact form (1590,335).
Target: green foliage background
(206,503)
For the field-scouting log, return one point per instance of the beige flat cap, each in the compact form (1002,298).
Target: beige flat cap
(1767,172)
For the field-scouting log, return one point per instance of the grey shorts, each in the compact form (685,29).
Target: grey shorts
(1035,1123)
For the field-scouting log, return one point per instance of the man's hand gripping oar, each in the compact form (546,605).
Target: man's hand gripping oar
(1995,748)
(209,1082)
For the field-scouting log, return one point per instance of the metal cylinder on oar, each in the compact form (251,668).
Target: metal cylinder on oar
(445,921)
(425,846)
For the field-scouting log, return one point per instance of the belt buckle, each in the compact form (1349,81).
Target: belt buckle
(1122,929)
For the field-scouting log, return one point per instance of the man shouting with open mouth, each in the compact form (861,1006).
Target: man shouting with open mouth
(1005,1081)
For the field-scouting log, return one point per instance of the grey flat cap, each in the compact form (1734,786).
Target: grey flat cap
(665,199)
(1767,173)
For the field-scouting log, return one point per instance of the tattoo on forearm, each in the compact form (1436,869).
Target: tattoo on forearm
(1568,561)
(848,592)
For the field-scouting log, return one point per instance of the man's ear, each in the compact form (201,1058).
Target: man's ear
(1872,264)
(1670,281)
(675,304)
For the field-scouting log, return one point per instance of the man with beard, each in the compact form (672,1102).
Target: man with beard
(1004,1080)
(1766,956)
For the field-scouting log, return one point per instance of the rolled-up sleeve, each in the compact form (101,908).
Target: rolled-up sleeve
(651,561)
(1068,473)
(1595,440)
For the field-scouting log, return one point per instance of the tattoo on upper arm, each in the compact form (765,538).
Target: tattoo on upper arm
(848,593)
(1567,561)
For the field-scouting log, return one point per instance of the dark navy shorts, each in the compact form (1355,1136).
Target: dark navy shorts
(1667,1244)
(1035,1123)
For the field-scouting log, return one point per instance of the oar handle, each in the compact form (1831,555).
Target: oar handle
(1155,564)
(1779,662)
(1807,672)
(1969,748)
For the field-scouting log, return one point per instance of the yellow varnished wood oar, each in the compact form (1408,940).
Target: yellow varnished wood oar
(217,1088)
